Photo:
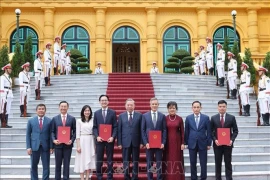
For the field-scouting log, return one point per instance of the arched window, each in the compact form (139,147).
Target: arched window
(77,37)
(219,36)
(24,32)
(175,38)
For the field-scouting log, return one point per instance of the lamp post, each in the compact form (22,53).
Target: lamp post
(17,12)
(234,12)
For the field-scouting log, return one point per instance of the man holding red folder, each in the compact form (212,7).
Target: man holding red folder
(63,134)
(105,131)
(224,128)
(152,122)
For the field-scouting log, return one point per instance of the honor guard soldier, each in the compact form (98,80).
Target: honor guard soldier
(209,56)
(232,74)
(220,64)
(68,63)
(98,69)
(57,50)
(6,95)
(244,89)
(202,60)
(47,64)
(39,74)
(264,93)
(25,90)
(154,69)
(63,58)
(196,64)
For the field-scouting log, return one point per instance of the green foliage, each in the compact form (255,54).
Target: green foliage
(187,63)
(172,65)
(172,71)
(27,53)
(82,59)
(4,59)
(17,61)
(75,53)
(187,70)
(85,71)
(249,61)
(235,51)
(266,63)
(226,48)
(173,59)
(82,65)
(187,58)
(180,53)
(74,67)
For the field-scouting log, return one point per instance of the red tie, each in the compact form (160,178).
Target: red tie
(64,120)
(222,121)
(40,123)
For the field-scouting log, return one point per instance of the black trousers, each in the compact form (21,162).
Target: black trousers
(62,154)
(127,153)
(227,153)
(100,146)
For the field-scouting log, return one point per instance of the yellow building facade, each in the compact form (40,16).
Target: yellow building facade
(129,35)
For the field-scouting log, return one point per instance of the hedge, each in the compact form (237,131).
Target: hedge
(187,63)
(188,58)
(180,53)
(75,53)
(173,59)
(187,70)
(172,65)
(82,65)
(82,59)
(85,71)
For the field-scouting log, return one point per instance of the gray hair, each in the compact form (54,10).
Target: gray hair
(130,99)
(153,99)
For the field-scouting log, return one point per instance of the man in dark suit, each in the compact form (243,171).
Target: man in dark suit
(223,120)
(154,120)
(198,139)
(38,142)
(63,150)
(104,116)
(129,138)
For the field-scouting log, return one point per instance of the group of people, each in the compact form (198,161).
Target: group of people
(132,131)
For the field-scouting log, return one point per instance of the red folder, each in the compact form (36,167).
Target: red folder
(63,135)
(105,131)
(154,139)
(223,136)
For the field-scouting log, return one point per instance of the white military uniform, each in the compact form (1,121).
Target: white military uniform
(232,73)
(68,65)
(202,61)
(244,87)
(39,74)
(6,93)
(196,65)
(47,62)
(63,60)
(56,55)
(98,70)
(209,55)
(154,70)
(25,90)
(263,97)
(220,63)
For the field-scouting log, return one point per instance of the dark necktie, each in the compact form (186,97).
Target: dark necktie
(222,120)
(104,115)
(154,119)
(130,118)
(40,123)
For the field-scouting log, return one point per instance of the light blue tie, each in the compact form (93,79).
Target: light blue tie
(154,120)
(197,121)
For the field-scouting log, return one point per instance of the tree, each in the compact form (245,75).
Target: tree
(173,63)
(79,63)
(266,63)
(226,48)
(27,54)
(4,59)
(181,54)
(17,61)
(235,51)
(249,61)
(186,65)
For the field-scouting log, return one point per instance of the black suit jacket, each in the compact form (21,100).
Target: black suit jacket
(70,122)
(127,132)
(230,122)
(110,119)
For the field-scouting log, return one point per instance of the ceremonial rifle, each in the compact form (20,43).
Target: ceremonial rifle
(258,113)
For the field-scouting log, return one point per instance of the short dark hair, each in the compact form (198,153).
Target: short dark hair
(102,95)
(40,105)
(82,113)
(222,102)
(172,103)
(196,102)
(64,102)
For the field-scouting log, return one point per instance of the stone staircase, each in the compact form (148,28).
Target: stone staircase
(251,155)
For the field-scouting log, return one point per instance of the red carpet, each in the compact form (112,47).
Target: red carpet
(122,86)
